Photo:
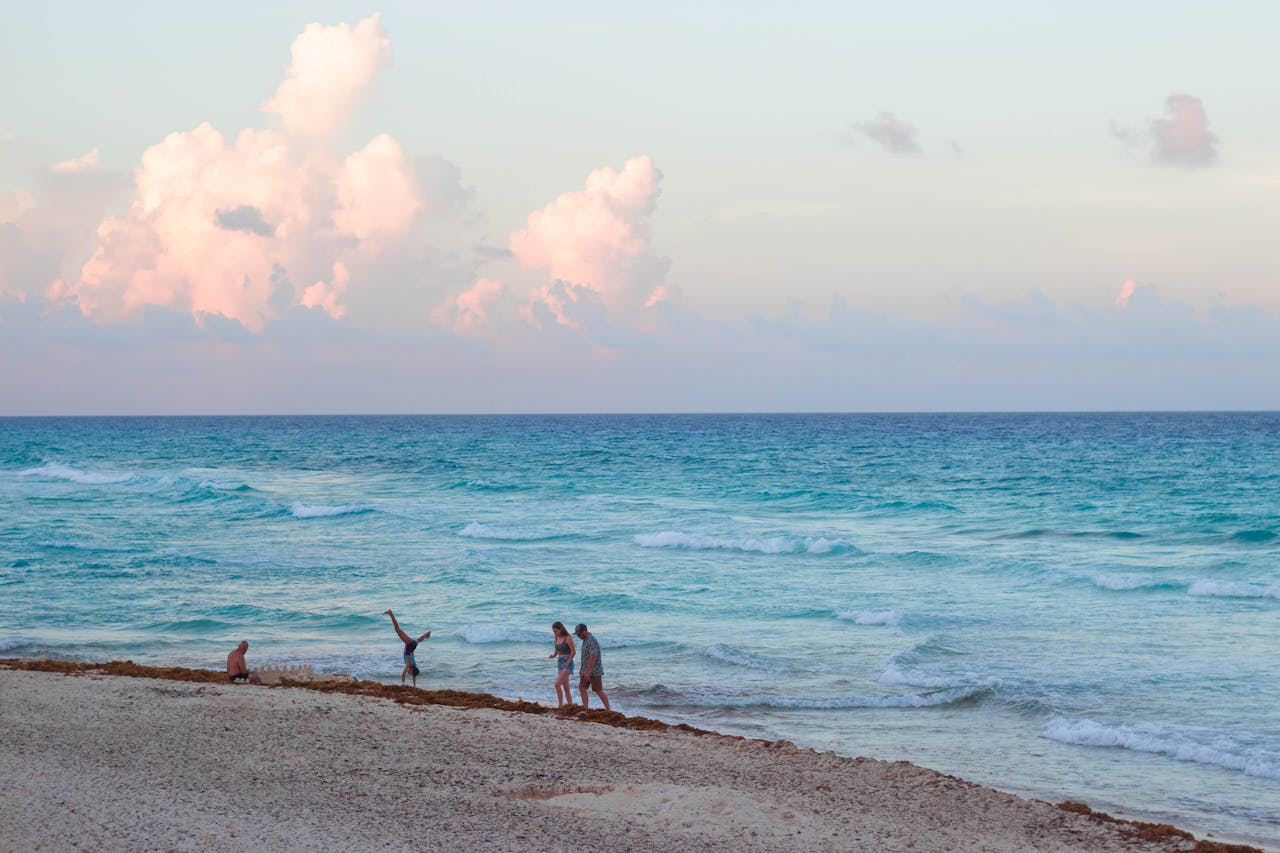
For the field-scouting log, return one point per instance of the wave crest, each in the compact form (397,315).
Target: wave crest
(930,699)
(738,657)
(1233,589)
(1124,583)
(765,545)
(475,530)
(59,471)
(870,617)
(1183,743)
(302,510)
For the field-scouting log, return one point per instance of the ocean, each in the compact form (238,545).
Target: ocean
(1080,606)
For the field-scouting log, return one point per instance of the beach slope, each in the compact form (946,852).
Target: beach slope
(96,761)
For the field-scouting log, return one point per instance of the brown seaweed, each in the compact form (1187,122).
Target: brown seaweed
(1159,832)
(1178,839)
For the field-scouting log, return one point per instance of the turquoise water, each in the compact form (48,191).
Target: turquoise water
(1081,606)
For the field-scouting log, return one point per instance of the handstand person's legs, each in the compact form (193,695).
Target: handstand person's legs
(394,624)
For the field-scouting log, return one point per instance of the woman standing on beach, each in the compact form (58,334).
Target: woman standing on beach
(410,645)
(563,653)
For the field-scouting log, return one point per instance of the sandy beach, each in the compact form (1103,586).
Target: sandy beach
(104,761)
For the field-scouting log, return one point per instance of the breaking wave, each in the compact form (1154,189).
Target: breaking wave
(930,699)
(1124,583)
(870,617)
(475,530)
(59,471)
(764,545)
(1233,589)
(1244,753)
(301,510)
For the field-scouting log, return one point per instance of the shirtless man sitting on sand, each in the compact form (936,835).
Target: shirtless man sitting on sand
(237,669)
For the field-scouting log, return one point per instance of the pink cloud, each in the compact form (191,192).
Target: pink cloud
(469,309)
(221,226)
(46,232)
(376,191)
(596,239)
(1125,294)
(14,203)
(330,68)
(327,296)
(78,165)
(1182,137)
(169,249)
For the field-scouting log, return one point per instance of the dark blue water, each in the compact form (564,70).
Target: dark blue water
(1062,605)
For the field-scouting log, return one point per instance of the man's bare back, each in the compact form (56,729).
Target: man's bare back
(238,668)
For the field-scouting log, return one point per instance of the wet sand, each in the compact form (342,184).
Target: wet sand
(96,761)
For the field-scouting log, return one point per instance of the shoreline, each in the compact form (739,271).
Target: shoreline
(523,773)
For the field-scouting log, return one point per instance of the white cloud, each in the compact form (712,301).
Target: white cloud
(331,67)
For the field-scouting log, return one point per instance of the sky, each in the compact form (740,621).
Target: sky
(332,207)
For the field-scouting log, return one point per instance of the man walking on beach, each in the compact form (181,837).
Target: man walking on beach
(592,667)
(237,668)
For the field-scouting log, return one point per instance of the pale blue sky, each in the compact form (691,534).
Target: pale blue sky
(772,205)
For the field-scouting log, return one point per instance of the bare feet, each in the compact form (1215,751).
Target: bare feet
(387,612)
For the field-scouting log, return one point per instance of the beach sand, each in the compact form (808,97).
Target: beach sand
(95,761)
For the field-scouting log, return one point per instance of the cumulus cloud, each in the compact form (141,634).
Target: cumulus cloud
(223,226)
(595,242)
(1125,294)
(469,309)
(1180,138)
(14,203)
(46,231)
(330,68)
(169,248)
(894,134)
(327,295)
(376,192)
(79,165)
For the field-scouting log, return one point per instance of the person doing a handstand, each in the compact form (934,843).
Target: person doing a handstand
(410,644)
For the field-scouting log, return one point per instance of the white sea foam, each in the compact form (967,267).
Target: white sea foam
(891,673)
(224,485)
(1233,589)
(929,699)
(58,471)
(870,617)
(1126,582)
(1184,743)
(480,634)
(475,530)
(301,510)
(9,644)
(765,545)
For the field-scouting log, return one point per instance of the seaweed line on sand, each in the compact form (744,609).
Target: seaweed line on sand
(1159,831)
(1177,839)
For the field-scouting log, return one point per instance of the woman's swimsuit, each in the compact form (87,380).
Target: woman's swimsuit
(563,661)
(408,652)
